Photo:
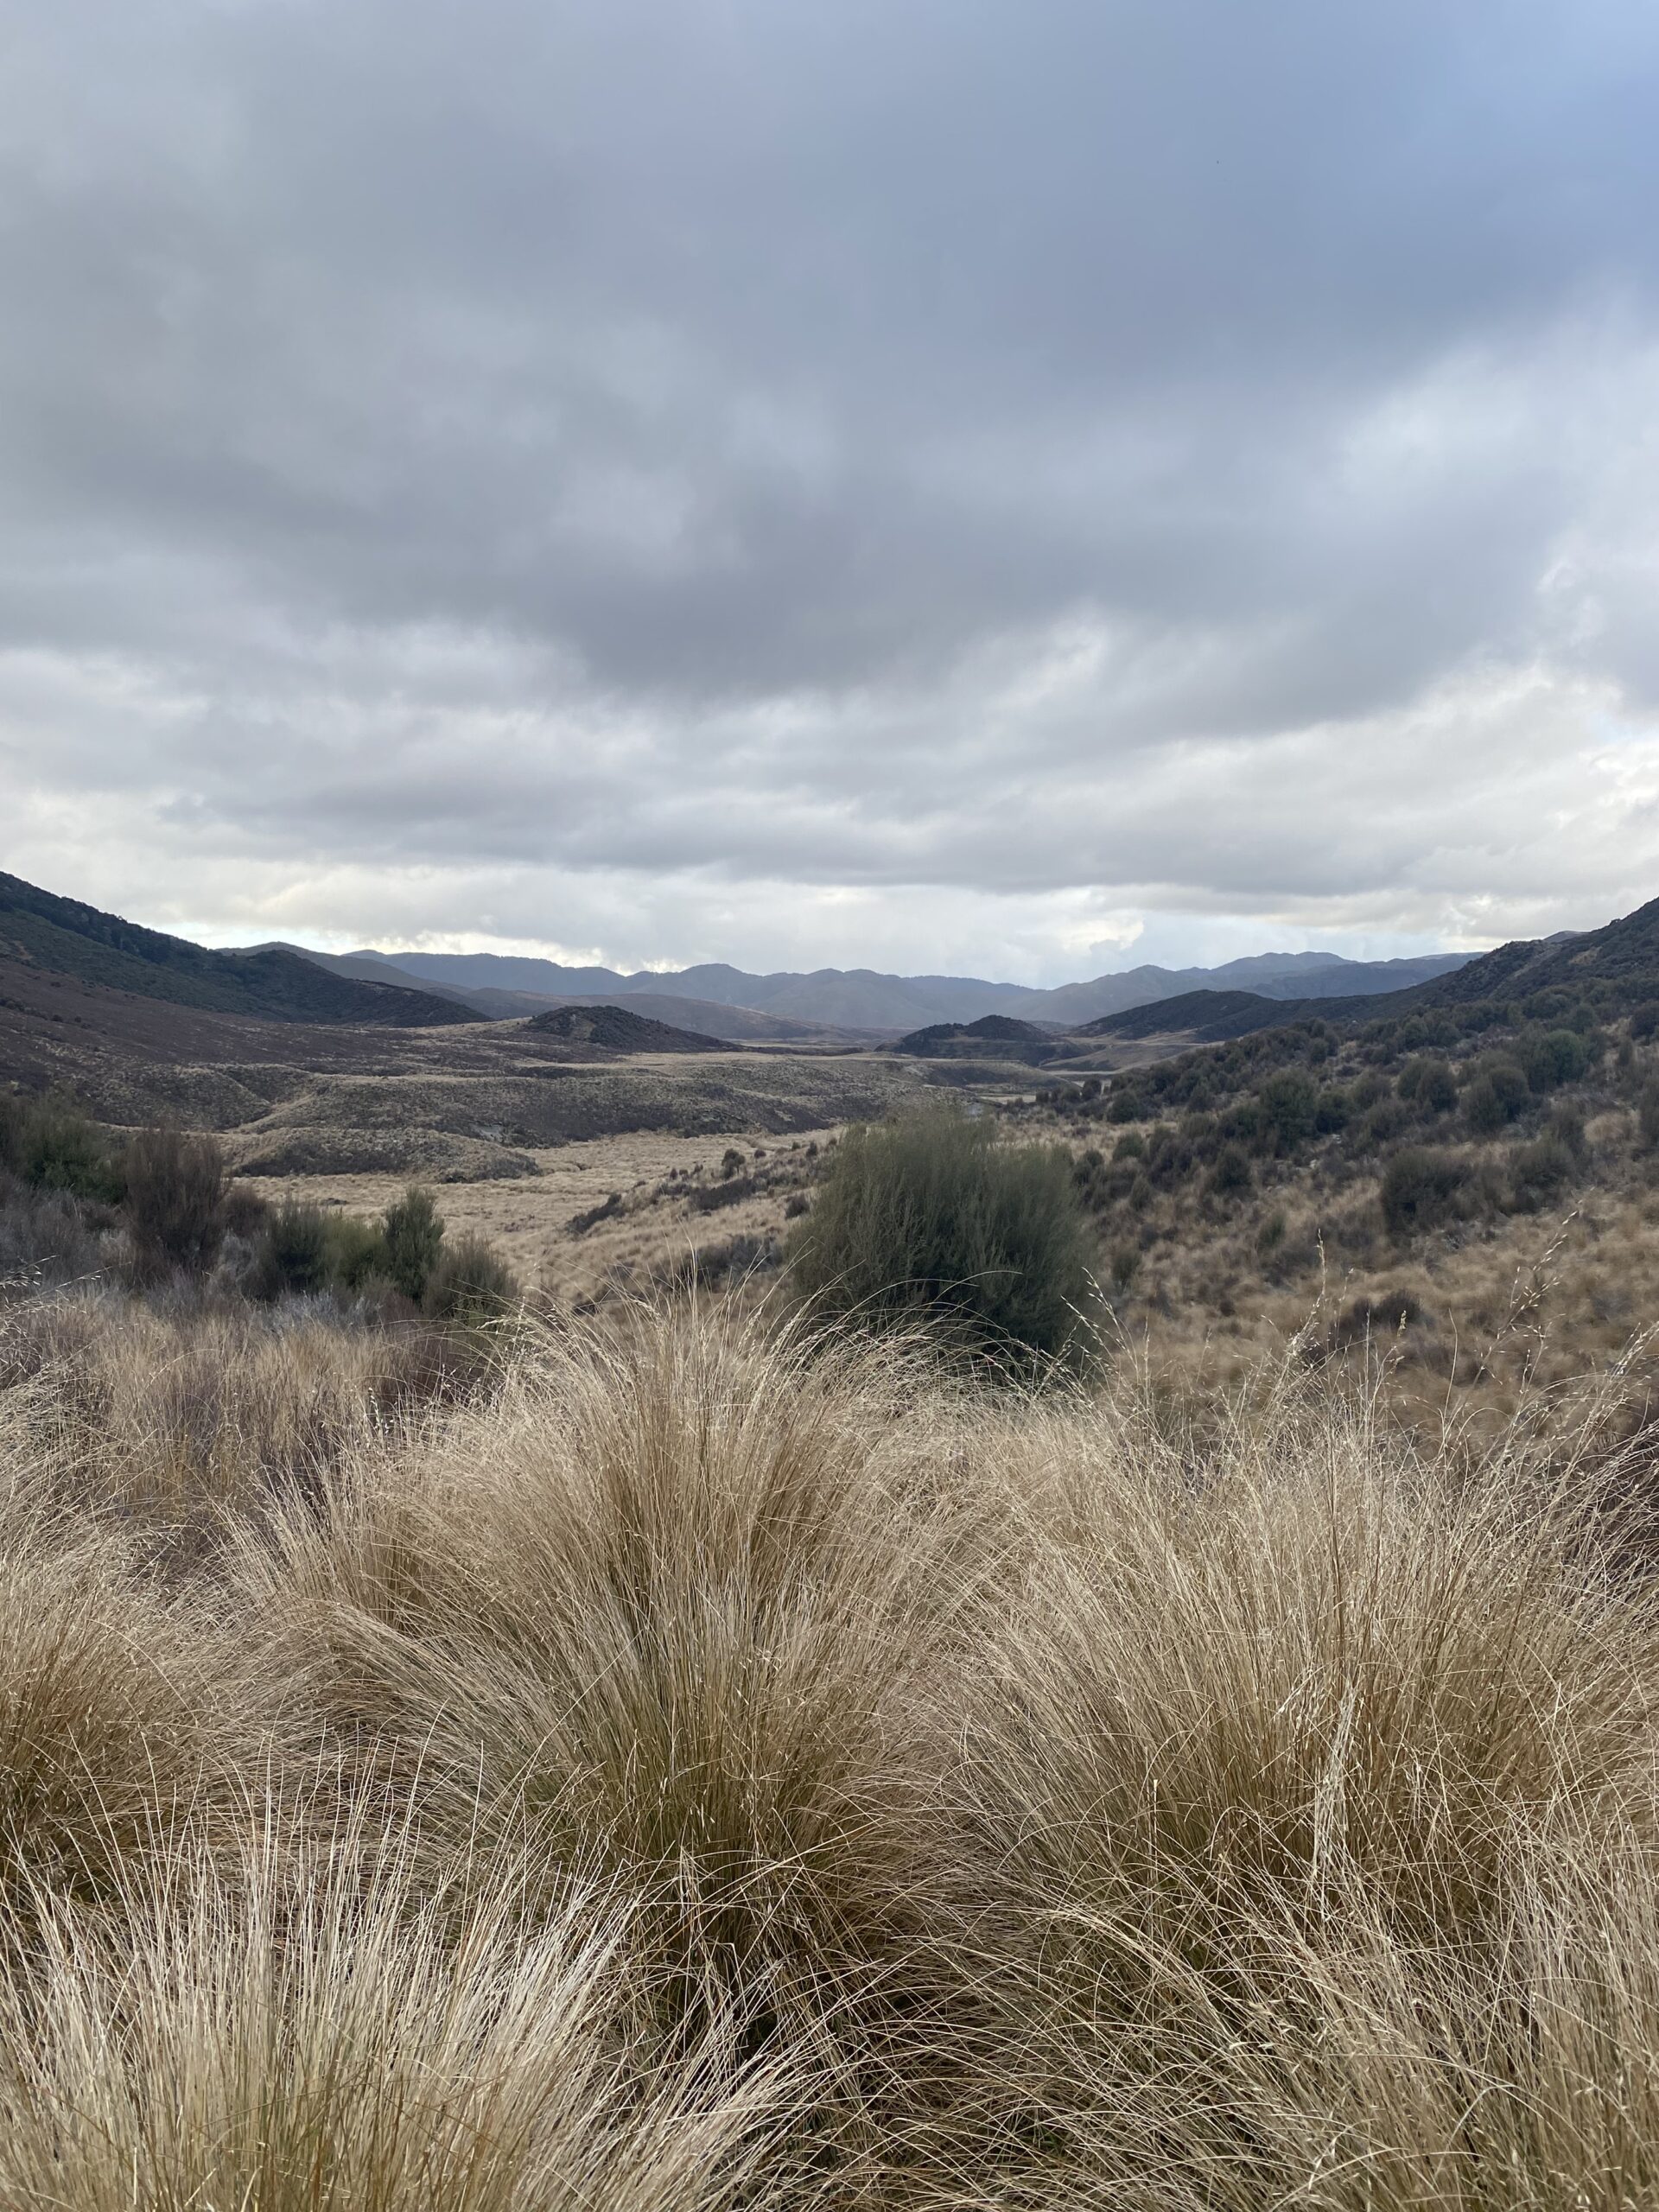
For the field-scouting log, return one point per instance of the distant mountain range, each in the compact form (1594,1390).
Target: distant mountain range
(860,1001)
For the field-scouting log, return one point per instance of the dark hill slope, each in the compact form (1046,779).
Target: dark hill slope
(616,1030)
(1623,957)
(994,1036)
(989,1029)
(62,936)
(1216,1017)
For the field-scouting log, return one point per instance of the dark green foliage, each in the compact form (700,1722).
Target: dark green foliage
(174,1200)
(711,1198)
(1428,1083)
(1231,1172)
(357,1252)
(932,1216)
(293,1251)
(1131,1145)
(1541,1171)
(731,1163)
(1332,1112)
(1645,1021)
(1420,1190)
(1551,1058)
(50,1143)
(414,1237)
(470,1283)
(1648,1113)
(1499,1095)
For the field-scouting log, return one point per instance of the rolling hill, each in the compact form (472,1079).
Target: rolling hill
(62,936)
(616,1029)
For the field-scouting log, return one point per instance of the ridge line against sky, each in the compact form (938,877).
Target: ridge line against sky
(1025,491)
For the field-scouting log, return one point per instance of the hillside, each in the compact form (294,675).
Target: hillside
(62,936)
(614,1029)
(1204,1017)
(993,1035)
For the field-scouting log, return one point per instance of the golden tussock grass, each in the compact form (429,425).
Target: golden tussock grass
(710,1769)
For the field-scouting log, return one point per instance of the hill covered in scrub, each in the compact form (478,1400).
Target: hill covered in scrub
(615,1029)
(1430,1158)
(998,1034)
(62,936)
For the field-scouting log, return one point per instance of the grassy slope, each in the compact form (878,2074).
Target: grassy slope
(694,1775)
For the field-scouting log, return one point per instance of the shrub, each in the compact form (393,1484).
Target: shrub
(470,1282)
(293,1251)
(1648,1113)
(1231,1172)
(174,1200)
(414,1237)
(934,1216)
(1428,1081)
(1540,1171)
(49,1141)
(1289,1105)
(356,1251)
(1557,1056)
(1421,1189)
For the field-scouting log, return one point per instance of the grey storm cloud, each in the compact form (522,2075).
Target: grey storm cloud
(576,471)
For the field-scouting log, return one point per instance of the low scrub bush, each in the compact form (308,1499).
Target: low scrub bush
(1421,1190)
(413,1236)
(934,1217)
(174,1200)
(470,1282)
(49,1141)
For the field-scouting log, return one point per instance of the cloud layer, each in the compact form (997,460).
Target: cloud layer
(980,487)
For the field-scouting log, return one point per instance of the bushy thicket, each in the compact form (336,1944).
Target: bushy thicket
(936,1216)
(1462,1114)
(171,1192)
(711,1772)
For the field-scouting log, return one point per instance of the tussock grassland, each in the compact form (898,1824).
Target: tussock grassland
(690,1767)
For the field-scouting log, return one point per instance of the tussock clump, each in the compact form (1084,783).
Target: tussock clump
(317,2039)
(117,1708)
(720,1766)
(670,1604)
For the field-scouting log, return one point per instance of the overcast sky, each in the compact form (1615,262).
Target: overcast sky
(1013,486)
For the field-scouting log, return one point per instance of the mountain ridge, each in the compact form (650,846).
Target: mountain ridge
(872,1001)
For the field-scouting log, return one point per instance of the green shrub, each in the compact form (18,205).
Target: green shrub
(174,1200)
(356,1251)
(1428,1081)
(1539,1172)
(933,1216)
(413,1238)
(293,1251)
(1556,1056)
(1231,1172)
(50,1143)
(1289,1103)
(1422,1189)
(470,1282)
(1648,1113)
